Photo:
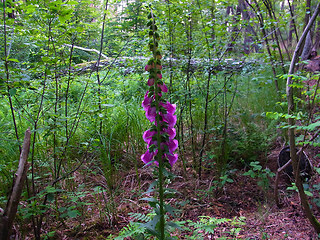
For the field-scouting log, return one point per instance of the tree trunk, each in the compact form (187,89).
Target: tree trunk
(307,47)
(304,201)
(275,30)
(317,37)
(249,31)
(308,9)
(235,29)
(265,37)
(6,221)
(292,28)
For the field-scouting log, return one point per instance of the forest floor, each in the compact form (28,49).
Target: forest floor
(262,219)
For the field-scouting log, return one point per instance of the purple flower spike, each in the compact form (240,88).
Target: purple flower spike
(146,102)
(147,136)
(171,108)
(147,157)
(161,114)
(171,132)
(173,145)
(170,119)
(172,159)
(151,113)
(163,87)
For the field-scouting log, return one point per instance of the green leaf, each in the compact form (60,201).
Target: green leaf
(170,209)
(229,180)
(72,2)
(73,213)
(317,170)
(175,225)
(12,60)
(30,8)
(63,19)
(151,225)
(50,197)
(45,59)
(313,126)
(308,193)
(62,209)
(250,173)
(12,92)
(206,29)
(149,199)
(273,115)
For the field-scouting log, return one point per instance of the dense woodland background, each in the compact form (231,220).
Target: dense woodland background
(73,72)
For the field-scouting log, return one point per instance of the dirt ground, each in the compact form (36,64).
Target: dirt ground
(106,216)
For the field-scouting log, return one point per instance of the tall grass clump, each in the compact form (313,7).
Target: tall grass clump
(9,154)
(238,130)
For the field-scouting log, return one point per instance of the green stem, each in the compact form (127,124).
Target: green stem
(160,153)
(6,66)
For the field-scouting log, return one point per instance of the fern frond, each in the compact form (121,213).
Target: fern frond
(131,230)
(140,217)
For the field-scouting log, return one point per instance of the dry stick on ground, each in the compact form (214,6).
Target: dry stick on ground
(6,221)
(304,201)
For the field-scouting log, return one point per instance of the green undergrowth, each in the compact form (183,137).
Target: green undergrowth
(106,122)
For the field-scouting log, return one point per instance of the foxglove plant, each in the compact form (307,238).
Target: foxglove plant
(160,138)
